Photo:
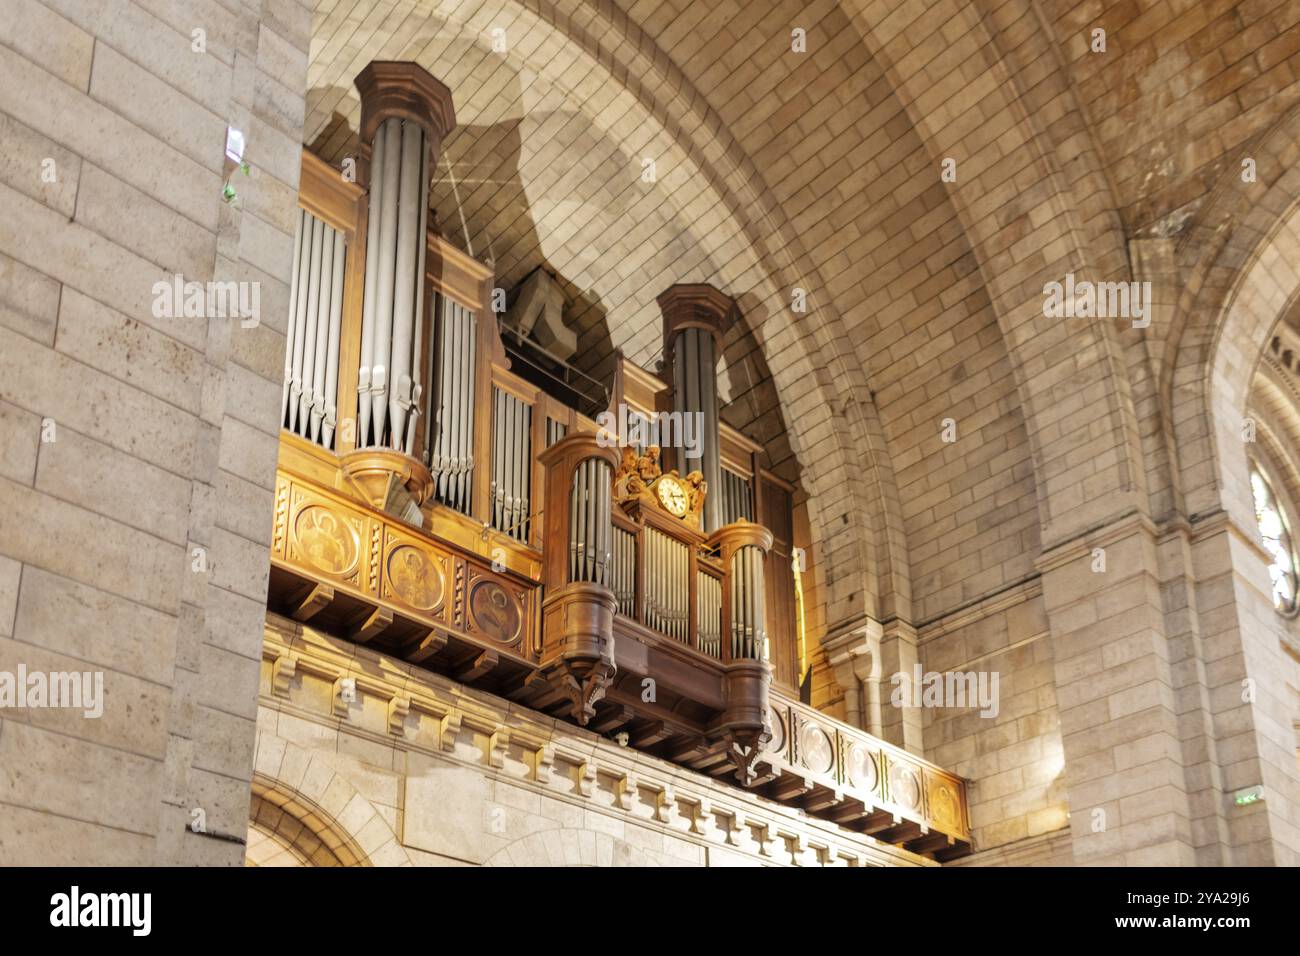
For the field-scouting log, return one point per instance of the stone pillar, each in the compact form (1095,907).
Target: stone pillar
(1115,688)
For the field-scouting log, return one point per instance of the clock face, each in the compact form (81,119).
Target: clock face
(672,496)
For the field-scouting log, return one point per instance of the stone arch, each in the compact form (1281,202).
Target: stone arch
(1245,283)
(283,835)
(1020,218)
(315,792)
(570,846)
(302,826)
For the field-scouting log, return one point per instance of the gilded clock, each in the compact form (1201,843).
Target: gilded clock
(672,495)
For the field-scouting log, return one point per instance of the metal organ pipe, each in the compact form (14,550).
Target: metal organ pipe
(329,419)
(316,400)
(300,322)
(383,331)
(422,240)
(373,229)
(293,317)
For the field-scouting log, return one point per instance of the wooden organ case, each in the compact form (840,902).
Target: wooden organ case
(436,506)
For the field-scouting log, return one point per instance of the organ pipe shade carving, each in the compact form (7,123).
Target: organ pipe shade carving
(451,438)
(512,463)
(308,406)
(748,633)
(590,529)
(389,386)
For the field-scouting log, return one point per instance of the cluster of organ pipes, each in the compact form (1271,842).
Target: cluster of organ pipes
(392,326)
(555,431)
(590,530)
(450,443)
(311,359)
(512,463)
(709,613)
(736,498)
(667,585)
(695,391)
(748,634)
(623,571)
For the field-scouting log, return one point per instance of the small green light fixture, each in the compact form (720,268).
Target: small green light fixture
(1249,795)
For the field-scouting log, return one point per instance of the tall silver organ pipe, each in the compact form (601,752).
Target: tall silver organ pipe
(309,401)
(512,457)
(450,440)
(748,632)
(387,380)
(590,530)
(737,498)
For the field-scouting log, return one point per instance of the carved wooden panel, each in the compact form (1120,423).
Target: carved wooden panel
(872,771)
(322,536)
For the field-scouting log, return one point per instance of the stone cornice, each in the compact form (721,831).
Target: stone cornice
(427,713)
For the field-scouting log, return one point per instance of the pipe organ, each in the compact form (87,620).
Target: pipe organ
(436,505)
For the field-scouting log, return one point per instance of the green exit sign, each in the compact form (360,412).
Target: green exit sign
(1244,798)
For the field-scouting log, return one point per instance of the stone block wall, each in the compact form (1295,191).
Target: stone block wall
(139,450)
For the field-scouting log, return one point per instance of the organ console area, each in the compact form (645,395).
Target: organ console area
(444,504)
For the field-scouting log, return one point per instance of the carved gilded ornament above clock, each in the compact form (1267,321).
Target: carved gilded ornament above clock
(639,478)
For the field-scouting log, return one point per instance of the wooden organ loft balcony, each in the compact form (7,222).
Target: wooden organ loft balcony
(432,597)
(455,568)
